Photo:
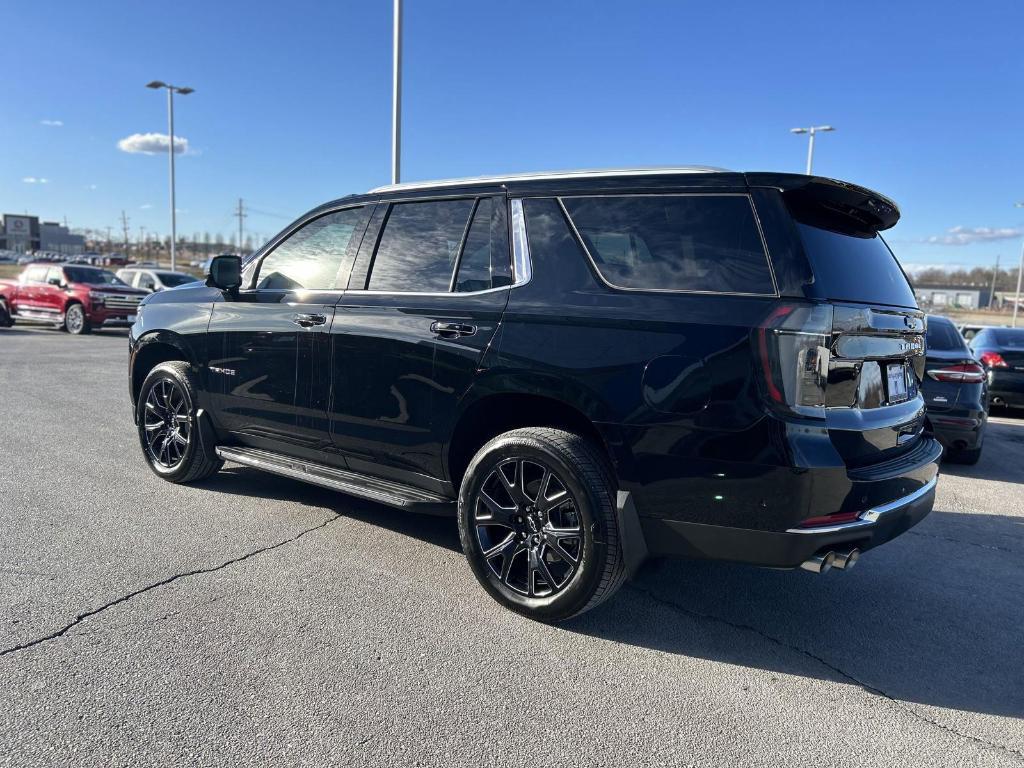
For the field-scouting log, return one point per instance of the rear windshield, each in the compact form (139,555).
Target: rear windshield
(943,336)
(855,267)
(1010,337)
(674,242)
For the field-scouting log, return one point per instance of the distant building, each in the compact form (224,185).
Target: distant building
(23,234)
(952,296)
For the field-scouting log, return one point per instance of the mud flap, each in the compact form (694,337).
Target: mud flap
(634,545)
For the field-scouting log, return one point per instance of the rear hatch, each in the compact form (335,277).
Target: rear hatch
(864,356)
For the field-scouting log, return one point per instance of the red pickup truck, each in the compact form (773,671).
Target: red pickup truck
(75,297)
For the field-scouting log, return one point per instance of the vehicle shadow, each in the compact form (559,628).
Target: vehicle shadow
(244,481)
(1000,458)
(933,617)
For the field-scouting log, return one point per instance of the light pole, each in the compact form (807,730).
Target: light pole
(810,142)
(396,98)
(171,90)
(1020,273)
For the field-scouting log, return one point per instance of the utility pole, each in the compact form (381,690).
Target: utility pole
(396,98)
(240,213)
(992,293)
(124,225)
(109,241)
(1020,273)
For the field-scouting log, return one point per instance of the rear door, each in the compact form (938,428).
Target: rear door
(408,298)
(27,296)
(264,366)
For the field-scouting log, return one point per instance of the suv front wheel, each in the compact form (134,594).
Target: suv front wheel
(168,424)
(537,523)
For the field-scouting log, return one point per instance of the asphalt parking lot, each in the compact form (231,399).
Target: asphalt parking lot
(253,620)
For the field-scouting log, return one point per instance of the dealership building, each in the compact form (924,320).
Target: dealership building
(23,233)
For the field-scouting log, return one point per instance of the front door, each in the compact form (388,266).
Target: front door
(418,285)
(264,369)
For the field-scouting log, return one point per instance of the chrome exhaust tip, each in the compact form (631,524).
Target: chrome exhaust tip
(845,560)
(819,563)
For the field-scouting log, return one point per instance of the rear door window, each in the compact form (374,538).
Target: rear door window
(485,260)
(854,266)
(705,243)
(419,246)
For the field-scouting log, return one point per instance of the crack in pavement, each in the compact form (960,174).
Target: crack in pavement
(163,582)
(993,547)
(1013,752)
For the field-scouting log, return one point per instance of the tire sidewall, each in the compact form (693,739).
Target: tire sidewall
(165,372)
(569,600)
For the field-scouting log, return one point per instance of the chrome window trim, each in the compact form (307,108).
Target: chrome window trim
(583,173)
(873,515)
(522,264)
(609,284)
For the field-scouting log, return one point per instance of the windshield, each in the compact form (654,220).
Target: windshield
(91,276)
(171,279)
(943,336)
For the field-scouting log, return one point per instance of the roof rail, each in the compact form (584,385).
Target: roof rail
(551,175)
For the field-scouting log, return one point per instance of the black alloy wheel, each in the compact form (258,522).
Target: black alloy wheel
(528,527)
(167,424)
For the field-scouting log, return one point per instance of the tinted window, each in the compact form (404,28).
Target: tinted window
(315,257)
(418,247)
(943,335)
(1009,337)
(674,242)
(145,281)
(854,267)
(485,260)
(55,276)
(91,276)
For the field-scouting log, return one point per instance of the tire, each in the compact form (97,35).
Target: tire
(526,561)
(168,397)
(966,456)
(6,321)
(75,321)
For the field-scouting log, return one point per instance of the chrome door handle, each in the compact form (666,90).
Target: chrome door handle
(452,330)
(308,320)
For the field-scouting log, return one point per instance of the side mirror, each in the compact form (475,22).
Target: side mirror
(225,273)
(55,281)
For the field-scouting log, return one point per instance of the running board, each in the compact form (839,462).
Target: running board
(343,480)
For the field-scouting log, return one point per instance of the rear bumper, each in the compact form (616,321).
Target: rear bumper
(1006,387)
(957,431)
(787,549)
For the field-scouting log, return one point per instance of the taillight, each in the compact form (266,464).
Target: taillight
(836,518)
(793,349)
(970,373)
(992,359)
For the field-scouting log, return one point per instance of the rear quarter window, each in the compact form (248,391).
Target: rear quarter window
(705,243)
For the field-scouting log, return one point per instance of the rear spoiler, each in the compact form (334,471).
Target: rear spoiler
(815,197)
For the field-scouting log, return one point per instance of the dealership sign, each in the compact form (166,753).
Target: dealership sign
(19,226)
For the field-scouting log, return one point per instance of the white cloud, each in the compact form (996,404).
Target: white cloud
(52,123)
(974,235)
(145,206)
(35,180)
(151,144)
(948,266)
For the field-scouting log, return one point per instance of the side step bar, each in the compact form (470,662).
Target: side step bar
(352,483)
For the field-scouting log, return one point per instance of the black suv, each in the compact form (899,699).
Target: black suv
(587,369)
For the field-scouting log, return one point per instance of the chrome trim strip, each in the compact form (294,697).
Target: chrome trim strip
(522,265)
(552,176)
(873,515)
(601,277)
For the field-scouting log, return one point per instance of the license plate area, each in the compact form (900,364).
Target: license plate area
(896,376)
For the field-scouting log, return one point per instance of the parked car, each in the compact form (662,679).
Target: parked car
(586,369)
(152,280)
(74,297)
(955,392)
(1001,351)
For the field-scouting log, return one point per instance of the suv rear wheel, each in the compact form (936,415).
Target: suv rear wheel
(537,523)
(168,424)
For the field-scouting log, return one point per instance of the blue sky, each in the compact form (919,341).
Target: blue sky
(292,103)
